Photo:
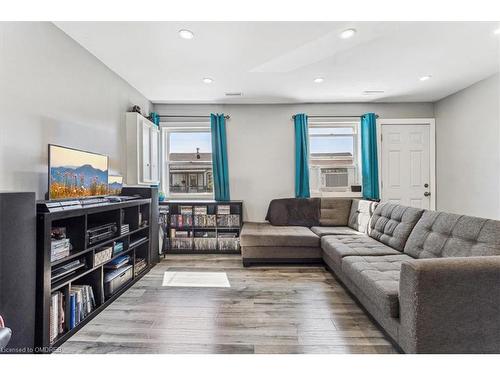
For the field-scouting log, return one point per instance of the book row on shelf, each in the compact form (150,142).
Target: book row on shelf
(81,304)
(222,209)
(223,242)
(187,220)
(57,316)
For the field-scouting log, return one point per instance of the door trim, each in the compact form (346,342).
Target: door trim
(432,149)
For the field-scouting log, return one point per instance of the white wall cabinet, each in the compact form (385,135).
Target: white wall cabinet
(142,151)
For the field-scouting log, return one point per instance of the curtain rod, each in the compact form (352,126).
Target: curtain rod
(187,116)
(332,116)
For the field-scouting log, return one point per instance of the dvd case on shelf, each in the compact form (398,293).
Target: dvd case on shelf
(203,226)
(205,220)
(223,209)
(200,210)
(228,220)
(204,243)
(184,220)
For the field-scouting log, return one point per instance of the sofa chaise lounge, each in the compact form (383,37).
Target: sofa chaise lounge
(430,279)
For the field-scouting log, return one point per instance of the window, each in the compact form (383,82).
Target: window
(187,162)
(333,157)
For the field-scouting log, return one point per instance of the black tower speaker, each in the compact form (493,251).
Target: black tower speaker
(18,269)
(149,192)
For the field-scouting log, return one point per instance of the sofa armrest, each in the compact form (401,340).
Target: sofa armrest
(450,305)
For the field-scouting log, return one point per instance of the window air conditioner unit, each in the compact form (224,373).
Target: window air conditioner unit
(337,179)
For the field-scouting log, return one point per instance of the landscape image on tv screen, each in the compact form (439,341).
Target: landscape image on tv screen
(75,173)
(115,184)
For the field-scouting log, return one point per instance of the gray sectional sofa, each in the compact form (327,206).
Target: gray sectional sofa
(430,279)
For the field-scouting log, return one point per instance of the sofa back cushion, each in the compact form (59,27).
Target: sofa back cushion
(302,212)
(443,235)
(335,212)
(392,224)
(361,213)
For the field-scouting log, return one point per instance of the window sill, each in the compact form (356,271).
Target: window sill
(336,194)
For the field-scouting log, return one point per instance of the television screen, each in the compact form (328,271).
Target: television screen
(115,184)
(75,173)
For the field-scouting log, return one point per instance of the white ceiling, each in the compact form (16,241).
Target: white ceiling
(276,62)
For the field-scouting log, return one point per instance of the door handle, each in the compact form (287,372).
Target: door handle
(426,194)
(426,185)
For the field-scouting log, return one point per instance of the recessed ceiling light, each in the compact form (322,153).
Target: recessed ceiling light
(425,78)
(346,34)
(207,80)
(497,31)
(318,80)
(186,34)
(373,92)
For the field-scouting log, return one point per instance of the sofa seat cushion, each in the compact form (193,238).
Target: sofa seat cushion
(335,212)
(439,234)
(392,224)
(378,278)
(265,234)
(340,246)
(325,231)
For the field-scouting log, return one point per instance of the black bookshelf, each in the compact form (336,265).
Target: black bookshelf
(217,234)
(137,244)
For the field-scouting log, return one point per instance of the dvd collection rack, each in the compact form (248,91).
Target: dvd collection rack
(202,227)
(76,278)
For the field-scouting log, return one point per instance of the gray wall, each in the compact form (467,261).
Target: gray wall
(53,91)
(261,144)
(468,150)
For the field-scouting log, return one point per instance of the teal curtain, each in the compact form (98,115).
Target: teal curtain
(301,156)
(369,158)
(219,157)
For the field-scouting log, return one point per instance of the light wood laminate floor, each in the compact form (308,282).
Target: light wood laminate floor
(279,309)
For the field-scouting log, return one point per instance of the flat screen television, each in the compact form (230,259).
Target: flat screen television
(76,173)
(115,184)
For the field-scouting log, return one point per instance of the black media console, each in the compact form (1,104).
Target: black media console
(81,253)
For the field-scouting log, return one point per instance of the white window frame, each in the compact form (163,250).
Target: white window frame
(355,125)
(166,130)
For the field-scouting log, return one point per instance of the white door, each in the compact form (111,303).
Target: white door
(155,139)
(405,164)
(146,151)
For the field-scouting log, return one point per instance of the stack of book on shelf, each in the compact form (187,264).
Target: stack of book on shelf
(67,269)
(60,246)
(56,316)
(81,303)
(140,265)
(228,242)
(228,221)
(124,229)
(223,209)
(117,262)
(59,249)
